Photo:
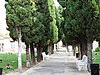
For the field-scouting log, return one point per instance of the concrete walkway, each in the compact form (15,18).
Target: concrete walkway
(60,63)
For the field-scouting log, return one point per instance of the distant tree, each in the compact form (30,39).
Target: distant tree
(53,27)
(59,21)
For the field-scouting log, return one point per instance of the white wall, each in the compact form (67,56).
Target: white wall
(2,17)
(12,47)
(59,44)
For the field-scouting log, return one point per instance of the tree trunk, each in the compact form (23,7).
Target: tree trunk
(27,57)
(19,50)
(74,49)
(89,54)
(67,47)
(39,52)
(83,48)
(45,49)
(49,49)
(78,49)
(52,48)
(32,54)
(99,43)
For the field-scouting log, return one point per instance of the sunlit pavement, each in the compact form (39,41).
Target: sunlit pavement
(60,63)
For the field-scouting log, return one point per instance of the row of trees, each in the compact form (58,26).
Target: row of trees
(34,22)
(39,24)
(81,25)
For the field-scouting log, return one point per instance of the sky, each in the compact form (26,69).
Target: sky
(56,3)
(2,9)
(2,16)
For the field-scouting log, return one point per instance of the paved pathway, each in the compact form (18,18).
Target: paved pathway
(59,63)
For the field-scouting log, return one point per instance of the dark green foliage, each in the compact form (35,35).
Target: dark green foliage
(62,3)
(43,21)
(19,14)
(81,20)
(69,24)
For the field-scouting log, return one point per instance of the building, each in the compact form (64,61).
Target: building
(7,45)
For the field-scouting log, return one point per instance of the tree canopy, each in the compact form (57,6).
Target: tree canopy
(81,20)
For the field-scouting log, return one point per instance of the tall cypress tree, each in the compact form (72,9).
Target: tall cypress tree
(59,21)
(42,8)
(53,27)
(19,15)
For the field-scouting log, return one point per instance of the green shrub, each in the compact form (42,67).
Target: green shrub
(97,49)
